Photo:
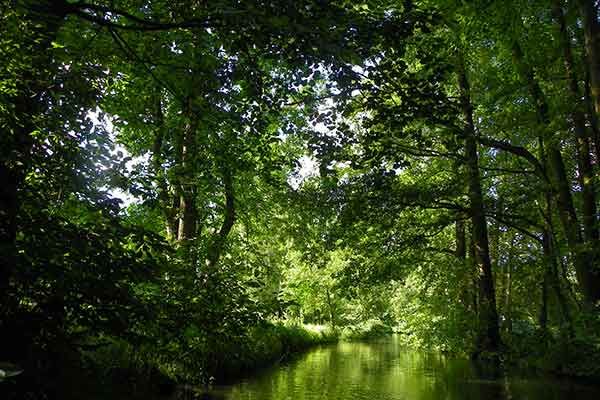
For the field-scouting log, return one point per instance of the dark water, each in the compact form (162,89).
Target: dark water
(388,371)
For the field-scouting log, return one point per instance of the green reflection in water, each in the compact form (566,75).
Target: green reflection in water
(387,371)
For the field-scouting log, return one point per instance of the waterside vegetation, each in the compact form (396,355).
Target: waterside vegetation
(187,186)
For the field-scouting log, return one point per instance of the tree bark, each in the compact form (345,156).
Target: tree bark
(461,245)
(188,215)
(331,309)
(228,219)
(543,316)
(472,263)
(586,173)
(467,296)
(494,239)
(507,306)
(553,278)
(167,206)
(591,29)
(488,339)
(592,116)
(589,281)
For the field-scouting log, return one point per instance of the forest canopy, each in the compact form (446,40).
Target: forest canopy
(178,176)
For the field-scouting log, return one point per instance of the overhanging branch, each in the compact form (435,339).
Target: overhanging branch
(516,150)
(87,11)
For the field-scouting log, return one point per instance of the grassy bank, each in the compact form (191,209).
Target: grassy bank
(267,344)
(118,370)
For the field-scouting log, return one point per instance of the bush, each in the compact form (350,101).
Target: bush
(368,330)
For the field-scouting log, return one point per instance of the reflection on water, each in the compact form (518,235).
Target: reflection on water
(387,371)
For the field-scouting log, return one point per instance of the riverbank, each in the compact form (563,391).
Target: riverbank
(120,371)
(268,344)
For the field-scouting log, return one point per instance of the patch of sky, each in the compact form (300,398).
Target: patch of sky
(100,120)
(307,168)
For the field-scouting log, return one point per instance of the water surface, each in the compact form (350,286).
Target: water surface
(387,371)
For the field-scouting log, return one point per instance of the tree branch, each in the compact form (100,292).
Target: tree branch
(510,224)
(129,51)
(516,150)
(85,10)
(228,221)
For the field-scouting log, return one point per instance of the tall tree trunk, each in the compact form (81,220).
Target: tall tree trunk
(592,116)
(494,235)
(168,207)
(586,173)
(488,339)
(461,245)
(507,306)
(543,316)
(508,300)
(591,28)
(331,309)
(188,215)
(466,293)
(589,281)
(228,219)
(472,263)
(553,278)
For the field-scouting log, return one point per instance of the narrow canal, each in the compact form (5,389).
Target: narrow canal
(387,371)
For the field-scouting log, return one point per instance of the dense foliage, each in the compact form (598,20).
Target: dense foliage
(185,183)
